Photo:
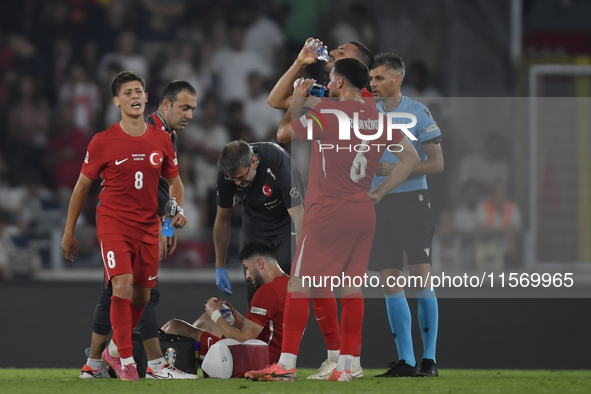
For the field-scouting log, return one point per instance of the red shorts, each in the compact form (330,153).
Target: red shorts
(206,341)
(122,255)
(337,242)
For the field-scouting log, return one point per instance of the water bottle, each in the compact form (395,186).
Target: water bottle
(170,212)
(318,90)
(227,314)
(321,51)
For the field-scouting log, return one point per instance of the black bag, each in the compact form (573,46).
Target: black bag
(177,350)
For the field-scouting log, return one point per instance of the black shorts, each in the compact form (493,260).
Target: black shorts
(404,223)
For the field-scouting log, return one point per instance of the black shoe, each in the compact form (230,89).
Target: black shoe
(428,369)
(399,369)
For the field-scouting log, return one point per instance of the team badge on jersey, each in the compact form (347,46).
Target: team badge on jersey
(267,191)
(156,158)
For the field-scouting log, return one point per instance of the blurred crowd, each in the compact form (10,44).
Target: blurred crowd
(483,228)
(56,62)
(57,59)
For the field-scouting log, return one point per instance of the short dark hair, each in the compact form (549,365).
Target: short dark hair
(125,77)
(258,248)
(172,90)
(364,54)
(235,155)
(392,62)
(353,70)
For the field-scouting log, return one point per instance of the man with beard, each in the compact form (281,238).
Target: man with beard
(324,305)
(339,221)
(263,178)
(280,97)
(264,320)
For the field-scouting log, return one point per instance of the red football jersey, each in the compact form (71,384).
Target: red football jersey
(342,170)
(130,168)
(266,309)
(366,93)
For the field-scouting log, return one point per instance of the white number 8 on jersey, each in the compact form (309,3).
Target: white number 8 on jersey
(139,180)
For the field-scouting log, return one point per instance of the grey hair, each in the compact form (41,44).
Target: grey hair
(392,62)
(235,155)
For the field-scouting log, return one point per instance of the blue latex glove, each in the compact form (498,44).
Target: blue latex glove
(222,280)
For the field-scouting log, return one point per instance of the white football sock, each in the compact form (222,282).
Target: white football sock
(156,365)
(356,363)
(127,361)
(113,349)
(344,362)
(95,364)
(288,360)
(333,355)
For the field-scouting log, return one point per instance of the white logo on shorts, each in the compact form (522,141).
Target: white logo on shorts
(154,277)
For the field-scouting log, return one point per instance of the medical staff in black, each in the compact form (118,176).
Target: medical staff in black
(263,177)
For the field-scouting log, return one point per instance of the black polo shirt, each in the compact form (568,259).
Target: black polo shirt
(155,119)
(276,187)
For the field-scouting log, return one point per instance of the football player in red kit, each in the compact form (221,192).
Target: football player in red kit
(324,303)
(129,157)
(339,220)
(264,320)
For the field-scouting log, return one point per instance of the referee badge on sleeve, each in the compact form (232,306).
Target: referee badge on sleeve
(431,128)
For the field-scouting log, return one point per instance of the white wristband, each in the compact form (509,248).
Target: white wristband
(215,316)
(180,210)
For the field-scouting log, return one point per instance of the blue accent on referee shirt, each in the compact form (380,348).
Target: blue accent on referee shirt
(426,129)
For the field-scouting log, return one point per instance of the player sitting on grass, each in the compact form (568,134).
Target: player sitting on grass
(264,319)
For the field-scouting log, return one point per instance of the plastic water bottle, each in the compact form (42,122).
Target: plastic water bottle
(318,90)
(227,314)
(320,50)
(170,211)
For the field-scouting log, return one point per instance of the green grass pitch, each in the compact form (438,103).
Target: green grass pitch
(450,381)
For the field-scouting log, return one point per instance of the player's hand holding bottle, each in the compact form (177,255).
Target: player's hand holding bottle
(308,54)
